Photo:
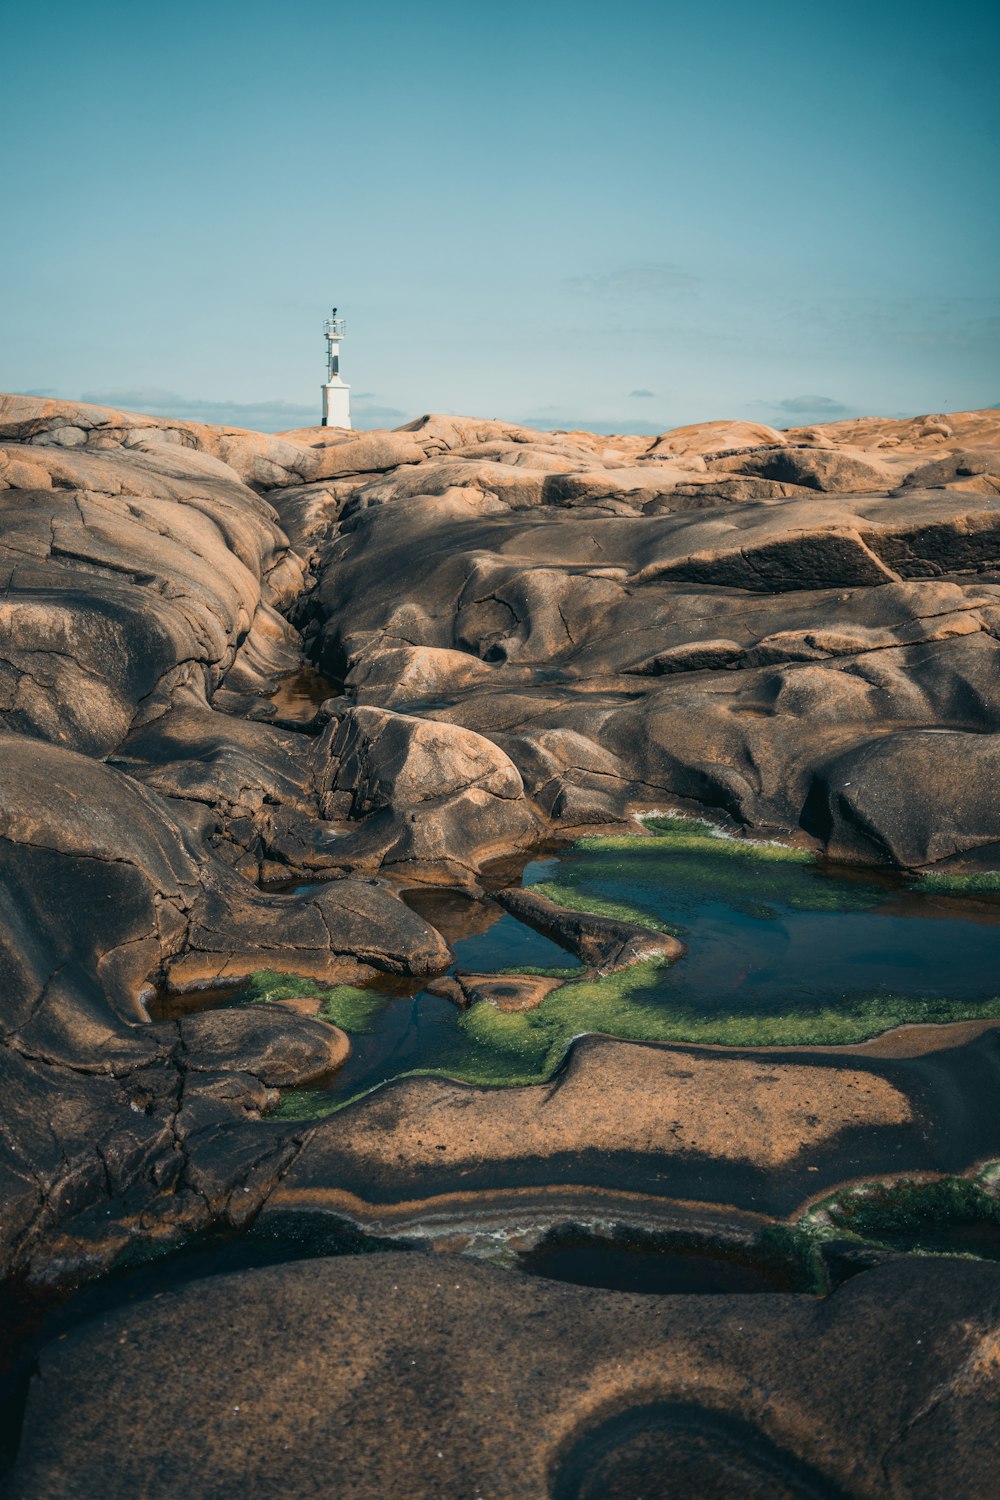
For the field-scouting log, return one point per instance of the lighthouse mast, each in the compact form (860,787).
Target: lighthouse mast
(336,395)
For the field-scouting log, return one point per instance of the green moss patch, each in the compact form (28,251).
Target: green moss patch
(695,835)
(949,1216)
(353,1010)
(265,987)
(569,896)
(345,1005)
(986,882)
(622,1005)
(691,859)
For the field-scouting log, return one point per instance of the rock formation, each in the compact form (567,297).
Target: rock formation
(525,635)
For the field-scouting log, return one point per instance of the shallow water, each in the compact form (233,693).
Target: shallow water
(652,1270)
(781,950)
(804,934)
(298,696)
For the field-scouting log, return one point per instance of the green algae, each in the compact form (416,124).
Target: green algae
(945,1216)
(621,1005)
(733,889)
(792,1246)
(691,858)
(986,882)
(696,834)
(352,1009)
(307,1104)
(564,894)
(266,987)
(345,1005)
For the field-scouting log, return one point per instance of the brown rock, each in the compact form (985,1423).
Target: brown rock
(506,991)
(337,1366)
(713,437)
(605,942)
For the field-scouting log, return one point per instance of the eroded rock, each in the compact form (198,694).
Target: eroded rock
(606,942)
(727,1395)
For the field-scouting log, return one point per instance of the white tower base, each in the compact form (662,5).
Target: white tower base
(336,404)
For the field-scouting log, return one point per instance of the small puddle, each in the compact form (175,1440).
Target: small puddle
(945,1216)
(783,949)
(300,694)
(653,1270)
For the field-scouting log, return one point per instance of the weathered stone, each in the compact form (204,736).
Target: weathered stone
(351,1365)
(606,942)
(509,992)
(534,632)
(829,469)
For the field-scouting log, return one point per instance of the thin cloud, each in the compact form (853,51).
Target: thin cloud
(371,415)
(654,280)
(642,395)
(629,428)
(260,416)
(812,405)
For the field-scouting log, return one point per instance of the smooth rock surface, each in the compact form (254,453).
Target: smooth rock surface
(432,1377)
(523,635)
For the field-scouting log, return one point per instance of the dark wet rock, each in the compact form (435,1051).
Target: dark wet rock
(607,943)
(345,1363)
(260,1041)
(94,1160)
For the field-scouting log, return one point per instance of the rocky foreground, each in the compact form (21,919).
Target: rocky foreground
(525,635)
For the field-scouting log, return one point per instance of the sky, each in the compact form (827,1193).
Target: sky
(624,217)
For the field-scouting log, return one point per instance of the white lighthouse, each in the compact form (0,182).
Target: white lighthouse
(336,395)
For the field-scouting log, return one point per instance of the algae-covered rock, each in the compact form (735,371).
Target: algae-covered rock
(605,942)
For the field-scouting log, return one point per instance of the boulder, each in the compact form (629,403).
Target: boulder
(383,760)
(712,437)
(281,1051)
(912,798)
(832,470)
(508,992)
(336,1366)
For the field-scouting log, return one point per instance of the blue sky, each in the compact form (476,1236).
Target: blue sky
(559,212)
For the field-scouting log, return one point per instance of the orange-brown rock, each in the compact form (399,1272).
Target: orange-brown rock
(430,1376)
